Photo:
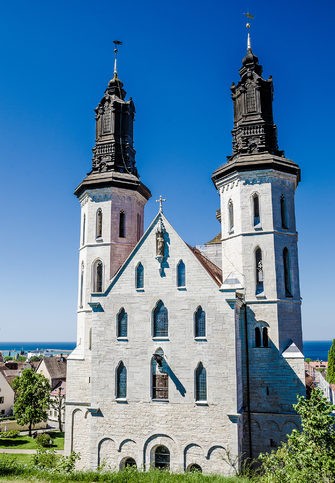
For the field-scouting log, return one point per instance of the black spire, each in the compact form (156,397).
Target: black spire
(114,149)
(254,130)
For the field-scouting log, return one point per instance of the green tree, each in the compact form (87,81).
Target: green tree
(32,398)
(35,358)
(331,364)
(308,455)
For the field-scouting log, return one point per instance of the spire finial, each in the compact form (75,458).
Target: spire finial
(116,43)
(160,201)
(249,16)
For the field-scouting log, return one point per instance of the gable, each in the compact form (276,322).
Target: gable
(161,272)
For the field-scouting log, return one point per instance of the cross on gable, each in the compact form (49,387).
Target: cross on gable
(160,201)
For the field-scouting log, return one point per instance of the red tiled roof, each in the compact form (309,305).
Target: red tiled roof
(62,386)
(214,271)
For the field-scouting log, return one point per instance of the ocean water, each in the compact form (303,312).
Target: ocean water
(314,349)
(317,349)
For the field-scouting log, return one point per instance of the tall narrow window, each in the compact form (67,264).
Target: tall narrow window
(283,212)
(81,285)
(256,210)
(265,337)
(200,383)
(99,224)
(122,225)
(181,282)
(231,215)
(287,278)
(259,272)
(122,322)
(200,323)
(139,276)
(84,230)
(90,339)
(160,328)
(121,381)
(258,337)
(139,225)
(98,271)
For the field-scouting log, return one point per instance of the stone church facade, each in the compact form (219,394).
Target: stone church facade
(182,357)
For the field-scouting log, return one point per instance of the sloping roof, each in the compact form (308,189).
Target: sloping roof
(56,367)
(214,271)
(60,385)
(215,241)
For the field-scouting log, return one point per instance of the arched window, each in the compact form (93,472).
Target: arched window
(255,200)
(258,341)
(162,457)
(129,463)
(287,278)
(139,276)
(139,225)
(231,215)
(200,323)
(283,212)
(122,225)
(99,223)
(121,381)
(200,383)
(259,271)
(194,468)
(122,322)
(97,276)
(181,282)
(265,337)
(81,293)
(84,230)
(160,320)
(160,378)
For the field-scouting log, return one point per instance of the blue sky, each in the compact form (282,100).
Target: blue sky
(177,62)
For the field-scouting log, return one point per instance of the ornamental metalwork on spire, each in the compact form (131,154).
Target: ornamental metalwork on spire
(114,150)
(254,131)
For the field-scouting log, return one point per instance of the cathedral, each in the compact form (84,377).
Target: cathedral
(186,355)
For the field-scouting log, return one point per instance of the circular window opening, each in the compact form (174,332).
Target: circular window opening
(162,457)
(195,468)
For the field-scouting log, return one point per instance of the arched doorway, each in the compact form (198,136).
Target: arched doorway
(162,457)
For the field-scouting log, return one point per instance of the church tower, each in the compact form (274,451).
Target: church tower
(260,259)
(112,200)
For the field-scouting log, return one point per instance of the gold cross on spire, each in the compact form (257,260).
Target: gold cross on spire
(160,201)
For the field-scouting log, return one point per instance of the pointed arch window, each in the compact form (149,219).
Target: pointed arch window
(122,225)
(265,337)
(283,212)
(259,271)
(200,383)
(81,293)
(97,276)
(99,223)
(122,323)
(262,335)
(121,381)
(84,230)
(287,278)
(200,323)
(139,276)
(255,202)
(231,215)
(160,323)
(258,341)
(181,280)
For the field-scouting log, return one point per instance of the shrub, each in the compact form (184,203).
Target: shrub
(45,459)
(9,434)
(44,440)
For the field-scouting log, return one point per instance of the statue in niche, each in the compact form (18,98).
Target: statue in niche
(160,244)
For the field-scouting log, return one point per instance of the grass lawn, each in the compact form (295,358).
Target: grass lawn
(26,442)
(19,458)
